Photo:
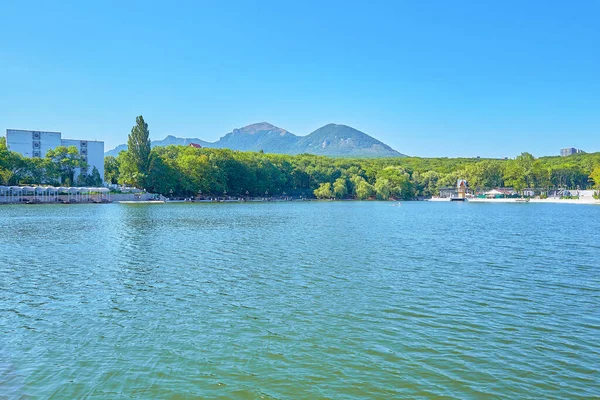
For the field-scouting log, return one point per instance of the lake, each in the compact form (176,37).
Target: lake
(300,300)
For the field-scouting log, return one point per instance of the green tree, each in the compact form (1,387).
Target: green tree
(162,177)
(67,159)
(541,175)
(595,176)
(94,178)
(526,162)
(324,191)
(196,172)
(396,181)
(383,188)
(111,170)
(6,176)
(362,189)
(448,180)
(426,182)
(128,173)
(514,176)
(138,148)
(42,170)
(12,165)
(340,190)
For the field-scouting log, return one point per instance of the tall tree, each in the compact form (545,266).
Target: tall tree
(94,179)
(525,161)
(111,169)
(138,147)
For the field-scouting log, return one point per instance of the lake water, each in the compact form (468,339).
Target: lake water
(300,300)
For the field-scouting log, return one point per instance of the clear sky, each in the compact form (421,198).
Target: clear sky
(430,78)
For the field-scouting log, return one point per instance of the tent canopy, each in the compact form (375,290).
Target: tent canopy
(493,192)
(52,189)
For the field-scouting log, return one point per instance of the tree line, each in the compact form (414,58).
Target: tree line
(188,171)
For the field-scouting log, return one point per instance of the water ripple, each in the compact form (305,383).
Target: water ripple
(326,300)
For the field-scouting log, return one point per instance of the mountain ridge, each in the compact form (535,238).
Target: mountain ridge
(334,140)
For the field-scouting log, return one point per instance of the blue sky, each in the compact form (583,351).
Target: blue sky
(430,78)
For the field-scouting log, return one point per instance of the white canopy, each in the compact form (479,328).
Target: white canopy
(493,192)
(61,189)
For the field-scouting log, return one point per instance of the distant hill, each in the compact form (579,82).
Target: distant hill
(115,152)
(330,140)
(262,136)
(169,140)
(342,140)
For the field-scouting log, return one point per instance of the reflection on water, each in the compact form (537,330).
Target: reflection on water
(300,300)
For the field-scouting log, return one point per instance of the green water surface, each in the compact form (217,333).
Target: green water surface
(300,300)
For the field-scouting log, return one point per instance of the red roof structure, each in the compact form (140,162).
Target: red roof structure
(196,145)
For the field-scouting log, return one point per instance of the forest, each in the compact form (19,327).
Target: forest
(188,172)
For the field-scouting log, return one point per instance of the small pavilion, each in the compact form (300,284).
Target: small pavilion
(51,194)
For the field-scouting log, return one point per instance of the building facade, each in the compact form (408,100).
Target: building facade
(570,151)
(37,143)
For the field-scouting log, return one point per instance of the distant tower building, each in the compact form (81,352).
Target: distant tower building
(570,151)
(461,187)
(37,143)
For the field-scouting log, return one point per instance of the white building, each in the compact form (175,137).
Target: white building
(37,144)
(568,151)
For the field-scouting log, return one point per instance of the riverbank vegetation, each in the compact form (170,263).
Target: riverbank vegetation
(188,171)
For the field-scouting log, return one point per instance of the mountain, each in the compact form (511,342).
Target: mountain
(262,136)
(330,140)
(115,152)
(342,140)
(169,140)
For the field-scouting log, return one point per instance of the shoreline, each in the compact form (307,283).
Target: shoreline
(432,200)
(521,201)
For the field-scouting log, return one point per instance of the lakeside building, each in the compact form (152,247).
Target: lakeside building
(459,192)
(448,192)
(37,143)
(568,151)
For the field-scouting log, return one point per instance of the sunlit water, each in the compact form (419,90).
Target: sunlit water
(291,300)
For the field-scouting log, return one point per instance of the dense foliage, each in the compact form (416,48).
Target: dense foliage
(57,168)
(134,170)
(187,171)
